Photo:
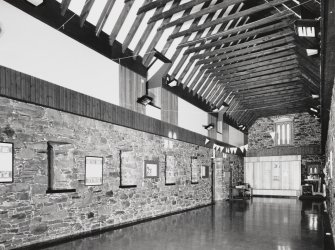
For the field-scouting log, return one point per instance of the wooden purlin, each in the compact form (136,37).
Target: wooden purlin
(104,16)
(246,51)
(228,18)
(134,27)
(86,11)
(152,5)
(266,29)
(184,58)
(148,55)
(234,67)
(201,13)
(179,8)
(253,42)
(248,56)
(209,32)
(252,25)
(64,6)
(122,17)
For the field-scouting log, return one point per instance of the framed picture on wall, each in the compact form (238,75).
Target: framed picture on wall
(151,169)
(129,170)
(204,171)
(6,162)
(93,171)
(170,166)
(194,170)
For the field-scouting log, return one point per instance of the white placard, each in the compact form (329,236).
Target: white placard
(93,175)
(6,162)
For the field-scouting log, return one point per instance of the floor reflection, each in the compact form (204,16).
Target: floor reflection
(261,223)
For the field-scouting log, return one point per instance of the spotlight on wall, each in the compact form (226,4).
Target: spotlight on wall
(145,100)
(209,126)
(35,2)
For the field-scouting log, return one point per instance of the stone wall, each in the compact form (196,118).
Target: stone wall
(330,147)
(28,215)
(306,139)
(306,131)
(224,167)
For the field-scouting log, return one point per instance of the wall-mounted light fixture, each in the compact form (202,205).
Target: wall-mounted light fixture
(216,109)
(314,110)
(145,100)
(35,2)
(312,52)
(315,96)
(209,126)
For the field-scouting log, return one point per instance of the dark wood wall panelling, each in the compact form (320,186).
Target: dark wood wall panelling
(286,150)
(169,103)
(22,87)
(213,132)
(131,87)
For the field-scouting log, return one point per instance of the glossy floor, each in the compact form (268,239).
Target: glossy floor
(262,223)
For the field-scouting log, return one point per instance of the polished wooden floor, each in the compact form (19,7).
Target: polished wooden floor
(261,223)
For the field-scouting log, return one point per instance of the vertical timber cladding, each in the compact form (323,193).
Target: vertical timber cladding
(274,175)
(19,86)
(39,216)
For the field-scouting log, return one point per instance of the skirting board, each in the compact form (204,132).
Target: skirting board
(276,192)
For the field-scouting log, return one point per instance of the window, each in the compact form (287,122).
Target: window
(283,133)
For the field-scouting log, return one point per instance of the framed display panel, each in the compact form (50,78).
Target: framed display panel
(313,167)
(93,171)
(204,172)
(6,162)
(60,167)
(194,171)
(129,171)
(151,169)
(170,167)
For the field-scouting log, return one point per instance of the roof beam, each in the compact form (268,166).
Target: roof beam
(245,51)
(210,9)
(227,40)
(226,19)
(172,11)
(122,17)
(64,6)
(234,67)
(153,5)
(103,17)
(270,19)
(254,42)
(85,11)
(248,56)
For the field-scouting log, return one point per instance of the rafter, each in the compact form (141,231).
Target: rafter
(64,6)
(85,11)
(227,40)
(210,9)
(228,18)
(246,51)
(254,42)
(152,5)
(103,17)
(234,67)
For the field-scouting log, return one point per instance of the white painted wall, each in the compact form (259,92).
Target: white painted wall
(236,137)
(30,46)
(191,117)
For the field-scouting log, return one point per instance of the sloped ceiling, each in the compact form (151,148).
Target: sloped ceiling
(243,54)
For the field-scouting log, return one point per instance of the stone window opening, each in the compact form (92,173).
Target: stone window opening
(284,133)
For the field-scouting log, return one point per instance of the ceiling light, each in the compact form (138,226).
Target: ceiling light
(145,100)
(209,126)
(307,27)
(35,2)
